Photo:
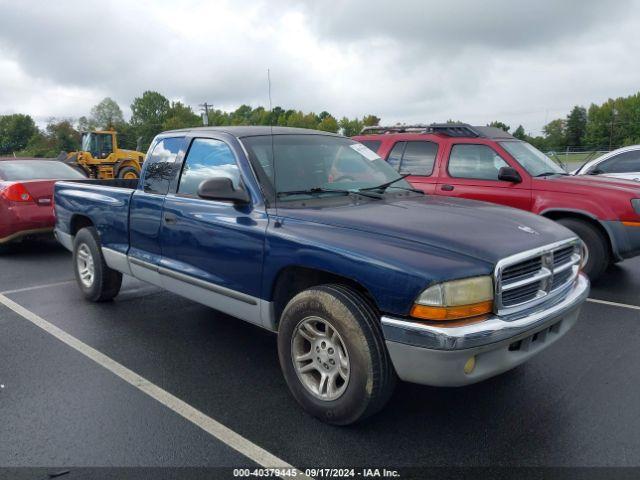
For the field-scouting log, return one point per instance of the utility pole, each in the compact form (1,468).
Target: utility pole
(205,113)
(613,114)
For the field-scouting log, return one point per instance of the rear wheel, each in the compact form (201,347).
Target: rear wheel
(597,252)
(333,356)
(129,173)
(96,280)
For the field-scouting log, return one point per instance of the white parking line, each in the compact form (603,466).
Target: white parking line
(614,304)
(36,287)
(206,423)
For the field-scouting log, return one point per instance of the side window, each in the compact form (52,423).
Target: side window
(396,155)
(207,158)
(160,167)
(418,158)
(475,161)
(626,162)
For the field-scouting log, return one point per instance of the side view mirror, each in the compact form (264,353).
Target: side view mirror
(509,174)
(221,188)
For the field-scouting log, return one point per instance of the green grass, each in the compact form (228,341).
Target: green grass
(573,160)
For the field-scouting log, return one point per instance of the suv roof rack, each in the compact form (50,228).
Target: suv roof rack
(377,129)
(449,129)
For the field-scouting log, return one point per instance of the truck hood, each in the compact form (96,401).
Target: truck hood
(587,184)
(475,229)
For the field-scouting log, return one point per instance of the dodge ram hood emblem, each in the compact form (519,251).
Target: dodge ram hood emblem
(528,230)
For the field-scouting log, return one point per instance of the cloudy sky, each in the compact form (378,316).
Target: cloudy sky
(409,61)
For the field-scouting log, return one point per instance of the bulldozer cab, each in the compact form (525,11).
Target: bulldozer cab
(99,144)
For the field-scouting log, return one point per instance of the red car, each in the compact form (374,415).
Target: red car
(26,196)
(486,163)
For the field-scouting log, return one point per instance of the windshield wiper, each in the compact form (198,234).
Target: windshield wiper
(546,174)
(386,185)
(318,190)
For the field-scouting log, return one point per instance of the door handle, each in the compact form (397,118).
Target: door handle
(446,188)
(170,218)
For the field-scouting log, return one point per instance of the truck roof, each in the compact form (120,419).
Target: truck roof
(463,130)
(250,131)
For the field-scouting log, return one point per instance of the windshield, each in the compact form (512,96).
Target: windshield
(313,165)
(37,170)
(532,160)
(98,144)
(87,142)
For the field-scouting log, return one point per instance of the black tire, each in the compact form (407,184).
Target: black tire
(599,254)
(371,375)
(105,282)
(123,171)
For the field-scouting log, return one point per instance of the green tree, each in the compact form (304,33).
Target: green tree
(149,112)
(370,121)
(15,132)
(576,127)
(180,116)
(328,124)
(519,133)
(242,115)
(86,124)
(555,134)
(106,114)
(350,127)
(58,136)
(64,136)
(501,125)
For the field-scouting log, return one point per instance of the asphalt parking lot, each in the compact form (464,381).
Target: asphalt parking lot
(574,405)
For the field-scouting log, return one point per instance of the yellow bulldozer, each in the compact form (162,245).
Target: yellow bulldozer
(100,157)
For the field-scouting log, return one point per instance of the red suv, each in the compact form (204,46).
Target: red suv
(486,163)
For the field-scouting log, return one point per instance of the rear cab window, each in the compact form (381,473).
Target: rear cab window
(161,167)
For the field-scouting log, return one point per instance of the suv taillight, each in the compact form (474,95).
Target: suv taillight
(16,192)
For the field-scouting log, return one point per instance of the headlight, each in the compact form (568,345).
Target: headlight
(455,300)
(636,205)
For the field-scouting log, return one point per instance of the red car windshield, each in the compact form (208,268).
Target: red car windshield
(12,170)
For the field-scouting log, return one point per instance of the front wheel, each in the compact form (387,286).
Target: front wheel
(597,253)
(96,280)
(333,355)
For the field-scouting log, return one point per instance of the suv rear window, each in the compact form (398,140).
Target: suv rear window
(413,157)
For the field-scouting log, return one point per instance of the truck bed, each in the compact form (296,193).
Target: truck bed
(102,203)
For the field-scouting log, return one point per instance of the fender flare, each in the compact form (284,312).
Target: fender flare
(615,250)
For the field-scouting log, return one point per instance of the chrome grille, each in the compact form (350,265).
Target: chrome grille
(527,279)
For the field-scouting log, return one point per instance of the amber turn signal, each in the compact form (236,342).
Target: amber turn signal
(425,312)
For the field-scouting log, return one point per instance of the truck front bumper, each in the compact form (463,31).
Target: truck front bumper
(431,354)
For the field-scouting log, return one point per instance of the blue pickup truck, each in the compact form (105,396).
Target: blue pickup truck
(313,236)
